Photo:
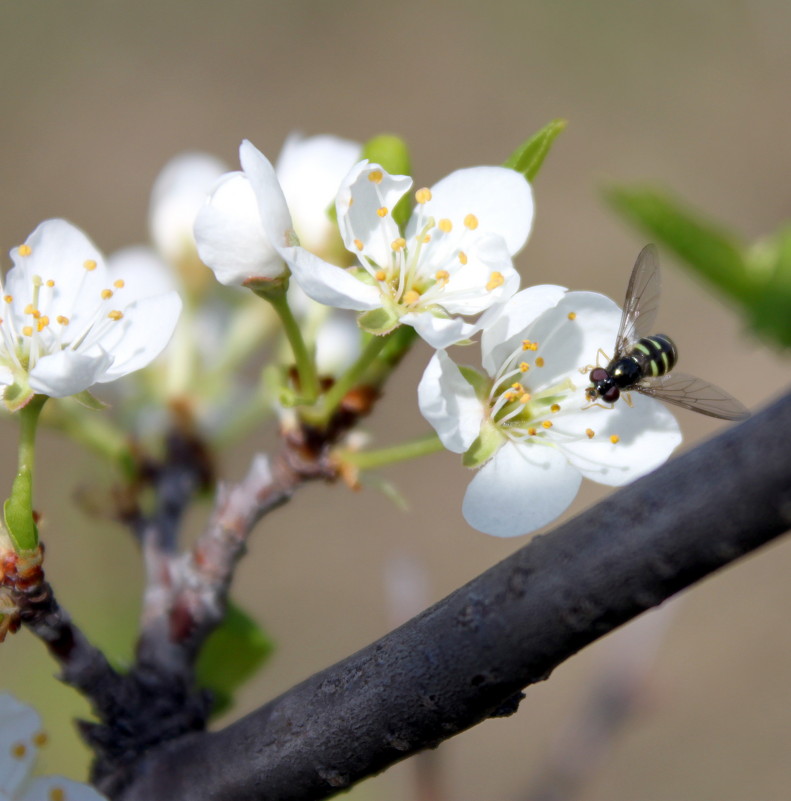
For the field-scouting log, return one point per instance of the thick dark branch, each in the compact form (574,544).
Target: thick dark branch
(467,657)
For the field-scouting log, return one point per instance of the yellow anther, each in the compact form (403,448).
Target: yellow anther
(532,432)
(547,424)
(358,244)
(539,362)
(555,407)
(40,739)
(572,315)
(119,283)
(510,395)
(27,331)
(495,279)
(423,195)
(375,176)
(50,283)
(382,211)
(380,275)
(471,222)
(8,298)
(18,750)
(516,385)
(445,225)
(528,345)
(426,238)
(462,257)
(590,432)
(24,250)
(30,309)
(89,265)
(42,323)
(442,276)
(525,397)
(614,438)
(116,315)
(411,296)
(107,294)
(398,244)
(57,794)
(524,366)
(36,314)
(62,319)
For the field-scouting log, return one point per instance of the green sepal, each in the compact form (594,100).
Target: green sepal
(708,250)
(16,396)
(529,156)
(271,289)
(18,515)
(478,381)
(393,154)
(484,447)
(90,401)
(378,321)
(770,313)
(387,488)
(232,654)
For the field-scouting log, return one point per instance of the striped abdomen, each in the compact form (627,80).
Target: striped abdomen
(655,355)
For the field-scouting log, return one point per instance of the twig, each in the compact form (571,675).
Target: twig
(468,657)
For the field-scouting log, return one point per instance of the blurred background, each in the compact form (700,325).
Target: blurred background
(693,96)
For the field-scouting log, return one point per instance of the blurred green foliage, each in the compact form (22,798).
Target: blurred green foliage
(755,278)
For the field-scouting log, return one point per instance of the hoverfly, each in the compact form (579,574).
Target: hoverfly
(643,361)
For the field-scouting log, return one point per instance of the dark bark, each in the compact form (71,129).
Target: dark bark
(468,657)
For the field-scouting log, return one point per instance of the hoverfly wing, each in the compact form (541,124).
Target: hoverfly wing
(642,300)
(695,394)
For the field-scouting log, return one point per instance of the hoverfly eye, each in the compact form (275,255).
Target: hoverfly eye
(598,374)
(611,395)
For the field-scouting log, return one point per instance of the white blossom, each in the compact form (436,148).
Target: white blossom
(527,425)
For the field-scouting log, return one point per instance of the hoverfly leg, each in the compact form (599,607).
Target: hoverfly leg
(628,398)
(607,406)
(600,354)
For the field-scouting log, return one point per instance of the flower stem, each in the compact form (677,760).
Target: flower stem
(369,460)
(306,368)
(350,378)
(18,508)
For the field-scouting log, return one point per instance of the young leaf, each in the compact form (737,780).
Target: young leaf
(231,655)
(711,252)
(771,311)
(530,155)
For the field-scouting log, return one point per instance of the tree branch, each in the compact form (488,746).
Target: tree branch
(468,657)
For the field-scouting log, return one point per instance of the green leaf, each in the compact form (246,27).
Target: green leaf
(378,321)
(530,155)
(393,154)
(771,311)
(712,252)
(232,654)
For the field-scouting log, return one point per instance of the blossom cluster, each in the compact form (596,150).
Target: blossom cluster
(361,253)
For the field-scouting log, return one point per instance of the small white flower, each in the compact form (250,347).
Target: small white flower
(69,321)
(528,424)
(452,260)
(21,737)
(241,228)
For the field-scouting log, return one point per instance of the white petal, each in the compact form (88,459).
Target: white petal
(59,253)
(338,343)
(520,489)
(439,332)
(66,372)
(6,376)
(328,284)
(19,724)
(447,400)
(647,434)
(501,336)
(230,235)
(141,335)
(358,203)
(179,192)
(272,205)
(310,170)
(143,272)
(500,198)
(45,789)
